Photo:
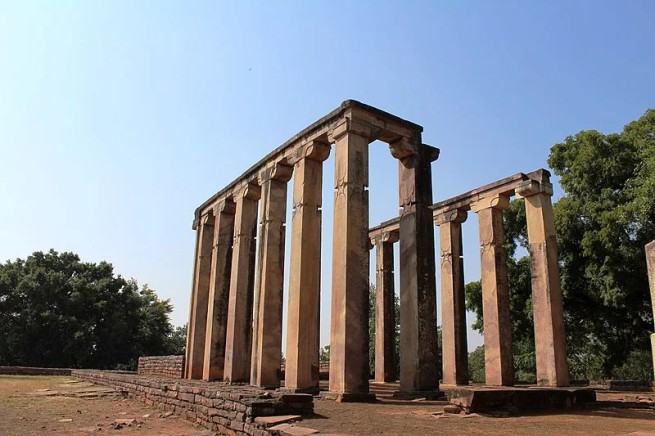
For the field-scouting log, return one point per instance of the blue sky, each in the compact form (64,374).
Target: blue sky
(118,118)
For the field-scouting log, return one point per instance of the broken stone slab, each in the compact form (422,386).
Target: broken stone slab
(128,421)
(292,430)
(270,421)
(66,420)
(452,409)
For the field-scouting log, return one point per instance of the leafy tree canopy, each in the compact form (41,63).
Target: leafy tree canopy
(56,311)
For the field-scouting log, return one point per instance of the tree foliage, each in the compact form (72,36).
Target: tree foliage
(56,311)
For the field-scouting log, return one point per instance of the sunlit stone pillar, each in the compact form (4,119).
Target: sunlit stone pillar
(650,260)
(418,306)
(195,351)
(499,366)
(267,324)
(350,264)
(302,365)
(385,311)
(549,335)
(239,319)
(453,305)
(219,289)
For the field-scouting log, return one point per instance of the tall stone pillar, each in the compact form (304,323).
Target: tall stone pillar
(650,261)
(200,296)
(350,264)
(267,324)
(303,334)
(499,364)
(385,311)
(453,323)
(549,335)
(239,318)
(418,306)
(219,289)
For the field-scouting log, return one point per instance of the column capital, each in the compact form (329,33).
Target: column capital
(533,187)
(279,170)
(355,126)
(207,219)
(248,190)
(453,215)
(386,237)
(404,148)
(497,201)
(225,206)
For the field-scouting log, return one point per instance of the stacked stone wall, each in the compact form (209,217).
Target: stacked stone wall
(226,409)
(162,366)
(30,370)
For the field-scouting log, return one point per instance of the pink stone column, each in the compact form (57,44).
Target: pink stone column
(267,323)
(350,265)
(302,366)
(219,289)
(499,365)
(200,297)
(239,319)
(650,262)
(418,306)
(549,334)
(385,311)
(453,305)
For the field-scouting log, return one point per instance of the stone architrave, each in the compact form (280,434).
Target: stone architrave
(499,365)
(453,304)
(267,322)
(200,296)
(219,290)
(303,333)
(550,338)
(650,261)
(385,311)
(418,306)
(239,320)
(350,262)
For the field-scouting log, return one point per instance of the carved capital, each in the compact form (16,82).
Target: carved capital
(533,187)
(226,206)
(249,191)
(279,170)
(386,237)
(207,219)
(354,126)
(453,215)
(497,201)
(317,150)
(403,147)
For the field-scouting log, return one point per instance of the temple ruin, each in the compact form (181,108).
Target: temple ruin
(235,322)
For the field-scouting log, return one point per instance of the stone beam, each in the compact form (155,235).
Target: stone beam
(499,366)
(239,322)
(453,305)
(219,289)
(303,334)
(385,311)
(550,338)
(267,322)
(200,296)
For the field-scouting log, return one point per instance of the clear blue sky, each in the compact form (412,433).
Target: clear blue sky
(118,118)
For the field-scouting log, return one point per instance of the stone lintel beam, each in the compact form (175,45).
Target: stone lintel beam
(418,312)
(195,352)
(350,260)
(303,322)
(453,327)
(550,337)
(239,322)
(385,312)
(499,366)
(219,289)
(267,323)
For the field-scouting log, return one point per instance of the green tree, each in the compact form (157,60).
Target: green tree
(58,311)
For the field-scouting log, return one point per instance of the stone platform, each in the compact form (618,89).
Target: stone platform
(519,399)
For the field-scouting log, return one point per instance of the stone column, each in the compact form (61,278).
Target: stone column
(349,370)
(303,334)
(453,305)
(267,324)
(385,311)
(239,318)
(499,365)
(195,353)
(650,261)
(549,335)
(219,290)
(418,306)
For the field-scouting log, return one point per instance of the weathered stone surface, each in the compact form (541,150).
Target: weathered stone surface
(650,260)
(162,366)
(385,311)
(269,421)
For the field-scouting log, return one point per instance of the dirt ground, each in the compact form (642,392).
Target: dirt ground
(40,405)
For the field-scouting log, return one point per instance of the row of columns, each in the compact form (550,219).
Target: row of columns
(552,369)
(235,328)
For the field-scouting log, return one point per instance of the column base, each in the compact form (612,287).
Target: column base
(428,395)
(349,397)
